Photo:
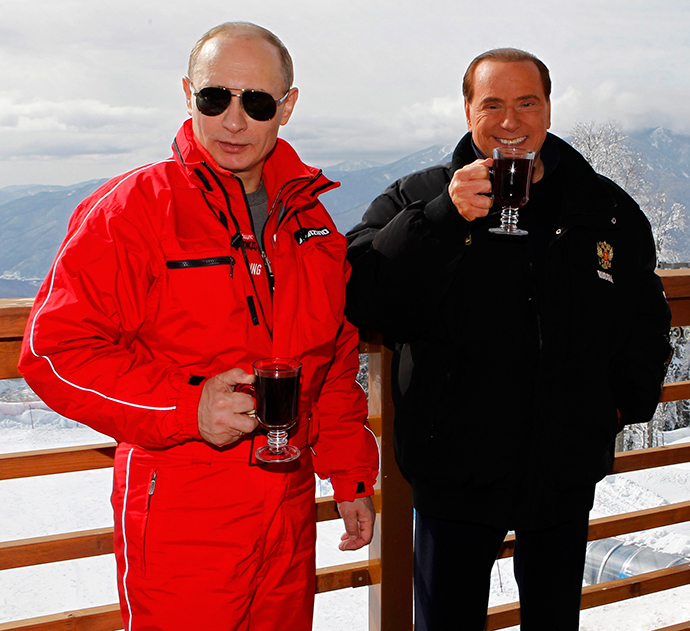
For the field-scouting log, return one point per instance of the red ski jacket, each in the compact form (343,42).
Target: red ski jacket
(160,283)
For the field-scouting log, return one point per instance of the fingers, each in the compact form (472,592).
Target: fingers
(359,517)
(223,413)
(470,189)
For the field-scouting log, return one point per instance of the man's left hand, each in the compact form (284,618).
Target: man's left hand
(359,517)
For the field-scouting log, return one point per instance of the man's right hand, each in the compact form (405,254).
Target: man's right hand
(470,189)
(223,417)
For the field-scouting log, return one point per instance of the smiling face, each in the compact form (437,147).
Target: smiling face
(237,142)
(508,108)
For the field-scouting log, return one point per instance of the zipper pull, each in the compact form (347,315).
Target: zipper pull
(267,264)
(152,486)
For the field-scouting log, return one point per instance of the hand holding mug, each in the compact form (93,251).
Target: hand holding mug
(223,409)
(470,189)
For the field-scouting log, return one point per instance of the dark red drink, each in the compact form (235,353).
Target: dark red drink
(276,399)
(277,391)
(512,178)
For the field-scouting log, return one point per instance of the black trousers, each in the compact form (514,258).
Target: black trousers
(452,574)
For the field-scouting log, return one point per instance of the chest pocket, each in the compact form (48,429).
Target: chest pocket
(199,298)
(200,283)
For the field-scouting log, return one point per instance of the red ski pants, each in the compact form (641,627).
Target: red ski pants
(217,546)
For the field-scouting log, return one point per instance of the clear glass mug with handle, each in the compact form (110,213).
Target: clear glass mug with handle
(512,175)
(276,393)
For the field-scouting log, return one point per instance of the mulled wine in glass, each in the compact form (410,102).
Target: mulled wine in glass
(512,173)
(276,388)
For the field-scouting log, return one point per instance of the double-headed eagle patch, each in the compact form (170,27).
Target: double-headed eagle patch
(605,253)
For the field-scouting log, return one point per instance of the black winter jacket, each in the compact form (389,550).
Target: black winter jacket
(512,354)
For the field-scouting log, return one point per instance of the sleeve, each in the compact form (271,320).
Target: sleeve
(404,254)
(346,450)
(640,368)
(81,353)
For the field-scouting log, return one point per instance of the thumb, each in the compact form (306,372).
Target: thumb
(234,377)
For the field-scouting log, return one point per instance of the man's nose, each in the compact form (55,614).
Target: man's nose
(511,121)
(234,117)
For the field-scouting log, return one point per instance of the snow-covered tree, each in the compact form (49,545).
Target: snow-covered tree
(605,148)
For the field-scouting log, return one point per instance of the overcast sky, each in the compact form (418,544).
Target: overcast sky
(92,88)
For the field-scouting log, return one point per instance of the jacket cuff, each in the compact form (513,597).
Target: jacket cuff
(441,208)
(188,409)
(347,489)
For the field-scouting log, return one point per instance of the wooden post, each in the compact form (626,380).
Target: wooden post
(390,601)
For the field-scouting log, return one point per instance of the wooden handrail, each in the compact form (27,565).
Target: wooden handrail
(622,524)
(508,615)
(356,574)
(651,458)
(625,523)
(105,618)
(682,626)
(87,457)
(59,460)
(53,548)
(88,543)
(677,289)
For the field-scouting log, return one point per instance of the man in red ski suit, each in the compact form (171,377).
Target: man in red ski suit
(166,289)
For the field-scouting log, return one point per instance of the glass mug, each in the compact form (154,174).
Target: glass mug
(512,175)
(276,395)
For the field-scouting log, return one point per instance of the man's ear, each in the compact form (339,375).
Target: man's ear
(467,116)
(187,87)
(289,106)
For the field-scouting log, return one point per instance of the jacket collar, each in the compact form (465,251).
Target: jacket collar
(283,168)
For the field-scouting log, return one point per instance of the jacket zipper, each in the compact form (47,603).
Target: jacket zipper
(260,243)
(207,262)
(238,242)
(152,486)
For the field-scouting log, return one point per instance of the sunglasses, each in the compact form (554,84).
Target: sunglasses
(261,106)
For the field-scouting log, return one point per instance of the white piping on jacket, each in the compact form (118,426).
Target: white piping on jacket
(50,291)
(124,537)
(366,426)
(378,449)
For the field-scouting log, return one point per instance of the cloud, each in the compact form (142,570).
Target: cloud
(41,128)
(75,115)
(325,140)
(378,80)
(633,108)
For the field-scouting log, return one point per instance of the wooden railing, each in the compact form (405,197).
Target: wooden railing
(388,571)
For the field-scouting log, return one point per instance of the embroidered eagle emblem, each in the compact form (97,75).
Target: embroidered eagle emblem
(605,254)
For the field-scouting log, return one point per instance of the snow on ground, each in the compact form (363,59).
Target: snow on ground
(33,507)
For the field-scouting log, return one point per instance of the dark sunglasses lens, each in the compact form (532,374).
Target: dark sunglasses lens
(259,105)
(213,101)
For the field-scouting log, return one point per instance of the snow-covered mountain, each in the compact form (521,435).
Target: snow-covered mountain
(33,222)
(33,219)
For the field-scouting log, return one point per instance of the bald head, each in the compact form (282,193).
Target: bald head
(244,30)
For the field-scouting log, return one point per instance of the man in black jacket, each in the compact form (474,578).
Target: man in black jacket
(517,359)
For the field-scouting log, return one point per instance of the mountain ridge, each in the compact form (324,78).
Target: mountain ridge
(34,218)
